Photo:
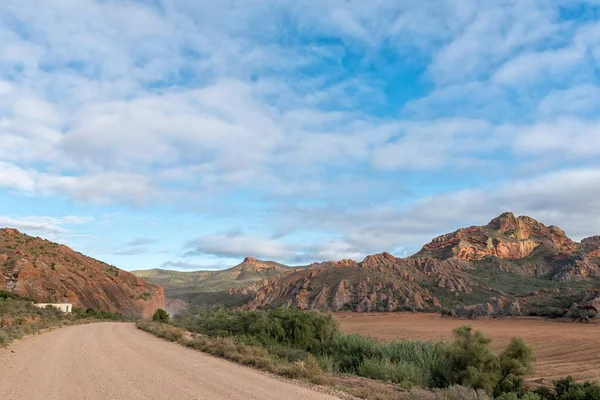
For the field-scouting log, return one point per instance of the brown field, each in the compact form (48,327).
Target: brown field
(561,348)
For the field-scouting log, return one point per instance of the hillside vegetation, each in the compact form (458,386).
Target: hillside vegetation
(178,283)
(18,317)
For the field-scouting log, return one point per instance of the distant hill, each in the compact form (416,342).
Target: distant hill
(49,272)
(208,287)
(512,265)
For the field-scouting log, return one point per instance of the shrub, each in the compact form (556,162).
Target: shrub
(307,369)
(160,315)
(450,393)
(568,389)
(471,363)
(515,363)
(304,330)
(515,396)
(162,330)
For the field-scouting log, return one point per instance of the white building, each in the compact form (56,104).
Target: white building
(64,307)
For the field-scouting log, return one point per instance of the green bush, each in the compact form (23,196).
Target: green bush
(515,363)
(160,315)
(472,363)
(304,330)
(568,389)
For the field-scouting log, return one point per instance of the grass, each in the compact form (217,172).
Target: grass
(406,362)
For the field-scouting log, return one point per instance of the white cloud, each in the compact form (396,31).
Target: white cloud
(580,100)
(48,227)
(240,245)
(193,102)
(572,138)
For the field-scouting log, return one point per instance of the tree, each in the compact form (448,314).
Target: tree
(472,363)
(515,363)
(161,316)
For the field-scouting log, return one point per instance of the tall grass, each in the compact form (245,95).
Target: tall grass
(404,361)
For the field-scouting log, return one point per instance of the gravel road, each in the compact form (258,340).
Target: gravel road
(117,361)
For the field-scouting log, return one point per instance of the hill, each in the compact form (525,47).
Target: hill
(508,266)
(49,272)
(244,274)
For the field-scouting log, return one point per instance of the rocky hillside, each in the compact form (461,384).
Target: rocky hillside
(49,272)
(497,266)
(177,283)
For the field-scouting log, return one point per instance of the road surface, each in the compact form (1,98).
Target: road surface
(117,361)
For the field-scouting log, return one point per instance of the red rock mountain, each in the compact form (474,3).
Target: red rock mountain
(505,258)
(49,272)
(505,237)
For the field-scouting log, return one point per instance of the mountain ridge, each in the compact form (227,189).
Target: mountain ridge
(464,267)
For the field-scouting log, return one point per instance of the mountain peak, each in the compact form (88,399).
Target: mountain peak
(249,260)
(506,237)
(504,222)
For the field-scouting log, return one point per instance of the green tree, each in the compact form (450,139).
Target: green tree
(515,363)
(160,315)
(471,362)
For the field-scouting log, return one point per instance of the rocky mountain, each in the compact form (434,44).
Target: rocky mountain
(49,272)
(497,267)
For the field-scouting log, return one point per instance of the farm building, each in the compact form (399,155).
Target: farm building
(64,307)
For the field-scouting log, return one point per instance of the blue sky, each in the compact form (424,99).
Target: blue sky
(189,133)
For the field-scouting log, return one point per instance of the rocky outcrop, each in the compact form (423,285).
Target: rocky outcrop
(48,272)
(494,307)
(380,282)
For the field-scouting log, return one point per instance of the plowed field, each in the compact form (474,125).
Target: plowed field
(561,348)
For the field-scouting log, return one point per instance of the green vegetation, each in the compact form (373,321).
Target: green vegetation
(568,389)
(198,302)
(19,317)
(161,316)
(177,283)
(306,344)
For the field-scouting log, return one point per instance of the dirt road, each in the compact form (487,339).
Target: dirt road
(561,348)
(117,361)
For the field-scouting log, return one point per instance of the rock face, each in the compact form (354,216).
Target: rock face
(380,282)
(458,267)
(49,272)
(505,237)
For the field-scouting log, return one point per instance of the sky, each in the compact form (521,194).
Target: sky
(188,134)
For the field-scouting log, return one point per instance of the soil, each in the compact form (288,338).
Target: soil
(561,348)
